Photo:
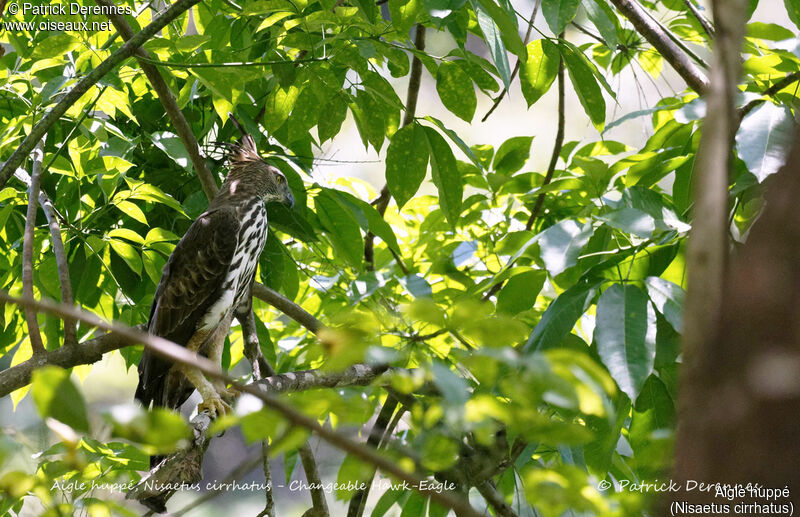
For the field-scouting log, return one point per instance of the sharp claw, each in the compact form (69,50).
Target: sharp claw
(214,406)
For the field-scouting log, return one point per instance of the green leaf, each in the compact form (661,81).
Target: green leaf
(55,45)
(132,210)
(335,113)
(406,162)
(558,13)
(368,8)
(278,106)
(764,138)
(561,244)
(171,144)
(604,20)
(385,503)
(452,135)
(374,222)
(57,397)
(560,317)
(668,299)
(491,34)
(160,428)
(352,471)
(456,90)
(630,220)
(414,505)
(539,70)
(512,154)
(506,19)
(586,87)
(519,293)
(792,8)
(444,171)
(625,334)
(342,227)
(652,427)
(128,254)
(453,388)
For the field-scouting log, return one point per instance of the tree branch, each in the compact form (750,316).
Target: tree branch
(519,62)
(707,254)
(320,505)
(769,92)
(559,142)
(170,104)
(178,354)
(70,337)
(27,253)
(414,82)
(661,41)
(287,306)
(702,20)
(495,500)
(359,501)
(66,356)
(120,55)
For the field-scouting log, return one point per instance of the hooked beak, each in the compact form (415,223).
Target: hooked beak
(288,199)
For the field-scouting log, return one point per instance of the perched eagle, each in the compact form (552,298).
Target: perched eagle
(206,278)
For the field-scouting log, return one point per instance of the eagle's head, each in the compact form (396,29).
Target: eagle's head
(250,171)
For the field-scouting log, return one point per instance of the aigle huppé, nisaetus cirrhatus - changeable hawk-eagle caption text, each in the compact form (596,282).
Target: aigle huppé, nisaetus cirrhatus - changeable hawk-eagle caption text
(206,278)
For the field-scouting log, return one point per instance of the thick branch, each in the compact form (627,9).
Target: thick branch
(170,104)
(70,337)
(178,354)
(287,306)
(663,44)
(27,252)
(66,356)
(123,53)
(708,247)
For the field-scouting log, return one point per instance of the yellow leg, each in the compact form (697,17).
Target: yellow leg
(212,399)
(212,392)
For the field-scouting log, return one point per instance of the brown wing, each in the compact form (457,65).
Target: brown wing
(191,282)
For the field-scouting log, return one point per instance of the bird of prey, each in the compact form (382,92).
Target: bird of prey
(206,278)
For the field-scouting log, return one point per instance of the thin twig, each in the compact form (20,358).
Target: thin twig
(178,354)
(287,306)
(702,20)
(381,203)
(237,473)
(661,41)
(769,92)
(269,506)
(182,127)
(496,500)
(50,213)
(359,501)
(312,476)
(556,146)
(82,86)
(27,252)
(518,65)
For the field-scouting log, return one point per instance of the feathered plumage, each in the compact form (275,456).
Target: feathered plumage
(207,276)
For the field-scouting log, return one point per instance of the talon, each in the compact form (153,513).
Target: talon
(227,394)
(214,406)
